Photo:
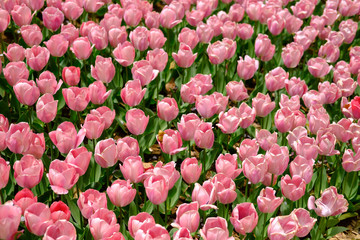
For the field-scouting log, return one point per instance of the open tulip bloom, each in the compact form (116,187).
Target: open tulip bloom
(179,119)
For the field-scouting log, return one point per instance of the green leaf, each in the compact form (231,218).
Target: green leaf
(148,207)
(75,212)
(335,230)
(174,193)
(351,185)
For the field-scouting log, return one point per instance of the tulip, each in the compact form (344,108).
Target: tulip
(215,228)
(14,71)
(57,45)
(236,91)
(76,98)
(136,121)
(225,188)
(37,57)
(292,54)
(5,172)
(182,234)
(194,17)
(90,201)
(330,52)
(170,142)
(217,52)
(167,109)
(188,37)
(206,105)
(215,23)
(205,195)
(326,142)
(97,92)
(106,114)
(47,83)
(117,36)
(221,100)
(71,33)
(236,12)
(79,158)
(302,167)
(28,171)
(293,188)
(246,114)
(329,204)
(267,201)
(139,37)
(126,147)
(355,107)
(276,24)
(10,216)
(60,211)
(204,135)
(229,121)
(187,216)
(348,28)
(82,48)
(185,57)
(168,171)
(21,14)
(132,16)
(244,218)
(31,34)
(318,67)
(265,139)
(312,98)
(156,189)
(5,20)
(336,38)
(60,229)
(204,32)
(187,126)
(18,138)
(37,145)
(65,137)
(104,69)
(296,86)
(255,168)
(152,20)
(92,6)
(348,8)
(244,31)
(121,193)
(278,159)
(26,92)
(98,37)
(275,79)
(103,224)
(203,81)
(331,91)
(46,108)
(189,92)
(24,199)
(168,18)
(143,71)
(15,52)
(62,176)
(263,104)
(4,127)
(52,18)
(150,231)
(304,221)
(115,236)
(263,48)
(157,58)
(106,153)
(247,149)
(247,67)
(135,222)
(38,218)
(71,9)
(318,118)
(132,168)
(282,227)
(190,170)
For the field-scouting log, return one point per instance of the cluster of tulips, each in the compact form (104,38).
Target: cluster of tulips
(179,119)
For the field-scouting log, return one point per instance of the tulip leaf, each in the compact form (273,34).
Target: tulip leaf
(321,182)
(148,207)
(75,212)
(335,230)
(351,184)
(174,193)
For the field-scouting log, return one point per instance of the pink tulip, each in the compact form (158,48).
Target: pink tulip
(97,92)
(156,189)
(348,28)
(94,126)
(152,232)
(71,9)
(203,81)
(351,162)
(37,57)
(318,118)
(188,37)
(265,139)
(106,114)
(21,14)
(276,24)
(132,16)
(215,23)
(236,91)
(14,71)
(217,52)
(204,135)
(4,127)
(205,195)
(152,20)
(263,105)
(132,168)
(326,142)
(71,33)
(82,48)
(236,12)
(47,83)
(278,159)
(244,31)
(293,188)
(76,98)
(18,138)
(10,216)
(194,17)
(136,121)
(318,67)
(187,126)
(170,142)
(132,93)
(92,6)
(103,224)
(348,7)
(15,52)
(104,69)
(292,54)
(255,168)
(168,18)
(185,57)
(143,71)
(330,52)
(167,109)
(275,79)
(246,115)
(5,20)
(37,145)
(263,48)
(136,222)
(296,86)
(60,211)
(313,97)
(28,171)
(121,193)
(90,201)
(106,153)
(24,199)
(303,9)
(117,36)
(225,188)
(98,37)
(158,58)
(282,227)
(31,34)
(126,147)
(329,204)
(190,170)
(204,32)
(5,171)
(79,158)
(247,149)
(304,221)
(229,121)
(331,91)
(336,38)
(46,108)
(206,105)
(38,218)
(247,67)
(168,171)
(66,138)
(140,38)
(187,216)
(182,234)
(302,167)
(57,45)
(26,92)
(60,229)
(215,228)
(62,176)
(52,18)
(267,201)
(244,218)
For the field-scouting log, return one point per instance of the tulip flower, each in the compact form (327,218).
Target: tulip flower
(53,18)
(46,108)
(282,227)
(90,201)
(244,218)
(106,153)
(60,211)
(293,188)
(135,222)
(14,52)
(60,229)
(82,48)
(79,158)
(47,83)
(156,189)
(103,224)
(26,92)
(267,201)
(121,193)
(76,98)
(167,109)
(18,138)
(71,75)
(38,218)
(304,221)
(185,57)
(187,215)
(28,172)
(24,199)
(65,137)
(215,226)
(136,121)
(31,34)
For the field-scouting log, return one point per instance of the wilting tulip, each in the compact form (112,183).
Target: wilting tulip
(60,229)
(60,211)
(106,114)
(156,189)
(15,52)
(136,121)
(132,168)
(38,218)
(282,227)
(90,201)
(304,221)
(267,201)
(47,83)
(57,45)
(26,92)
(244,218)
(167,109)
(76,98)
(104,69)
(106,153)
(170,142)
(187,216)
(66,138)
(185,57)
(263,47)
(135,222)
(204,135)
(215,228)
(37,57)
(293,188)
(255,168)
(79,158)
(103,224)
(121,193)
(52,18)
(18,138)
(24,199)
(28,171)
(21,14)
(31,34)
(82,48)
(329,204)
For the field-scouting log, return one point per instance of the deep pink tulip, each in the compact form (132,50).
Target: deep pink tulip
(292,54)
(304,221)
(57,45)
(247,67)
(24,199)
(71,75)
(158,59)
(263,104)
(31,34)
(26,92)
(37,57)
(117,35)
(52,18)
(18,138)
(302,167)
(142,70)
(204,135)
(28,171)
(104,69)
(267,201)
(167,109)
(184,58)
(263,48)
(152,20)
(255,168)
(90,201)
(106,114)
(278,159)
(82,48)
(132,168)
(293,188)
(204,32)
(21,14)
(170,142)
(38,218)
(121,193)
(132,16)
(282,227)
(97,92)
(103,224)
(47,83)
(190,170)
(15,52)
(5,171)
(329,204)
(135,222)
(76,98)
(60,211)
(60,229)
(71,9)
(106,153)
(244,218)
(14,71)
(168,18)
(139,37)
(275,79)
(79,158)
(5,20)
(156,189)
(136,121)
(187,216)
(247,149)
(215,228)
(66,138)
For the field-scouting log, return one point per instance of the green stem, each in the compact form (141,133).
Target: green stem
(246,188)
(189,147)
(107,176)
(59,68)
(264,232)
(321,229)
(157,88)
(2,197)
(166,216)
(120,216)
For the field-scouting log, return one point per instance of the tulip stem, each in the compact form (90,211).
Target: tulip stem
(2,197)
(189,146)
(166,216)
(120,216)
(246,188)
(321,228)
(264,232)
(58,65)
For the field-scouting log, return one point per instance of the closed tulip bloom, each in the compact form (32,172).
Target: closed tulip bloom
(46,108)
(326,142)
(152,20)
(291,54)
(117,35)
(167,109)
(5,20)
(278,159)
(190,170)
(90,201)
(204,135)
(329,204)
(170,142)
(132,16)
(4,171)
(215,23)
(136,121)
(60,229)
(194,17)
(351,162)
(348,28)
(275,79)
(152,232)
(215,228)
(302,167)
(106,114)
(62,176)
(244,31)
(263,105)
(187,216)
(204,32)
(206,105)
(265,139)
(185,57)
(21,14)
(204,81)
(293,188)
(247,67)
(136,222)
(296,86)
(57,45)
(355,107)
(71,9)
(76,98)
(267,201)
(255,168)
(189,92)
(187,126)
(229,121)
(104,69)
(139,37)
(38,218)
(276,24)
(26,92)
(24,199)
(66,138)
(28,171)
(126,147)
(248,148)
(225,188)
(263,48)
(236,91)
(70,32)
(15,52)
(60,211)
(246,115)
(157,58)
(217,52)
(18,138)
(98,37)
(37,145)
(189,37)
(182,234)
(103,224)
(31,34)
(168,18)
(10,216)
(156,189)
(318,67)
(132,168)
(4,127)
(121,193)
(92,6)
(52,18)
(348,7)
(282,228)
(94,126)
(79,158)
(132,93)
(106,153)
(82,48)
(97,92)
(304,221)
(47,83)
(37,57)
(142,70)
(244,218)
(330,52)
(14,71)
